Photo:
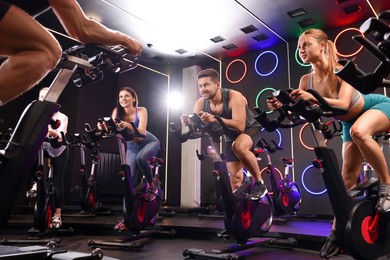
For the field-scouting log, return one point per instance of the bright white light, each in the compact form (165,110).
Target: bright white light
(175,100)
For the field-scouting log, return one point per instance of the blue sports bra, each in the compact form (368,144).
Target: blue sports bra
(136,122)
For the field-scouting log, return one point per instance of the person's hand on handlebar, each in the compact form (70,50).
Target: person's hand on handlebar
(185,120)
(123,124)
(133,46)
(102,126)
(273,103)
(207,117)
(51,134)
(302,94)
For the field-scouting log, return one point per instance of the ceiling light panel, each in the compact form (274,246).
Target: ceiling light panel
(229,47)
(297,13)
(249,29)
(217,39)
(260,37)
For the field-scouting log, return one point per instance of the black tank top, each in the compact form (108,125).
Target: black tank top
(227,113)
(32,7)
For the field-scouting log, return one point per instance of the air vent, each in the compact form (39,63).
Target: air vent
(158,58)
(352,9)
(229,47)
(180,51)
(249,29)
(217,39)
(260,37)
(193,57)
(297,13)
(307,22)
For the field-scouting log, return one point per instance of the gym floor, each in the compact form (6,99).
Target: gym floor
(185,230)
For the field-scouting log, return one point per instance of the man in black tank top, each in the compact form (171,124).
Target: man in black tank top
(31,51)
(232,107)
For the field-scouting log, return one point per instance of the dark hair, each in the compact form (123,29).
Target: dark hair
(212,73)
(120,112)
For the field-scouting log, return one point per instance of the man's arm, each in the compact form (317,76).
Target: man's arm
(237,103)
(86,30)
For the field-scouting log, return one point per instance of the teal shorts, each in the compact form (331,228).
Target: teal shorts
(371,101)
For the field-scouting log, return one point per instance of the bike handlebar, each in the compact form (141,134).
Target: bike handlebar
(307,110)
(199,129)
(93,59)
(377,41)
(124,133)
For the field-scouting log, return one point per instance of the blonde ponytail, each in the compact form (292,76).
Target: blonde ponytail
(330,53)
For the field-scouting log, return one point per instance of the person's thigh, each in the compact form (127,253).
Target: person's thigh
(19,31)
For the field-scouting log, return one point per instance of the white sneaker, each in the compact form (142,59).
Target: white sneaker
(56,222)
(32,193)
(383,204)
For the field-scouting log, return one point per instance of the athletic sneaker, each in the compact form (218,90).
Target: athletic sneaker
(56,222)
(32,193)
(120,226)
(383,204)
(330,248)
(151,194)
(258,190)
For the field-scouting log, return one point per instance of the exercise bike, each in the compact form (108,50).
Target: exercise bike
(89,193)
(214,211)
(138,212)
(363,232)
(244,218)
(82,64)
(376,40)
(285,193)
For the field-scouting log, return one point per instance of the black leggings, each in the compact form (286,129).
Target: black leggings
(59,166)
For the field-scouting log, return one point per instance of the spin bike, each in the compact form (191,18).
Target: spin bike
(82,64)
(363,232)
(138,212)
(376,40)
(89,193)
(244,218)
(285,193)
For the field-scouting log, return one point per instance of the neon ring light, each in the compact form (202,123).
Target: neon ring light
(301,139)
(279,135)
(243,75)
(260,93)
(303,182)
(298,60)
(276,63)
(280,174)
(338,35)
